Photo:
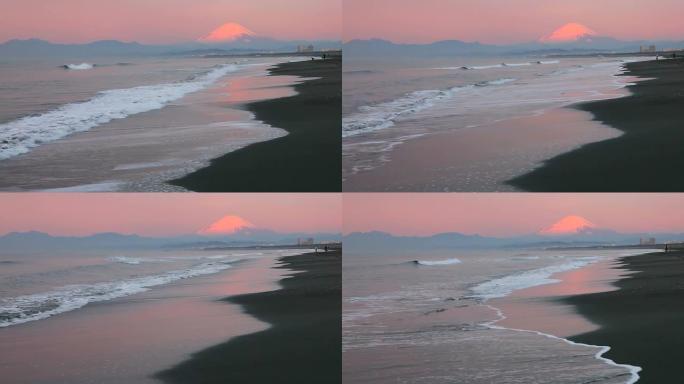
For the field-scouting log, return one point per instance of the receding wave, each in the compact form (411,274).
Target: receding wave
(380,116)
(19,136)
(504,286)
(431,263)
(22,309)
(79,66)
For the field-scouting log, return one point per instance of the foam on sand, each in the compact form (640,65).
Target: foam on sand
(632,370)
(19,136)
(504,286)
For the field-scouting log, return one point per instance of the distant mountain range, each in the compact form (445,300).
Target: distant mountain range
(369,241)
(27,241)
(447,48)
(36,48)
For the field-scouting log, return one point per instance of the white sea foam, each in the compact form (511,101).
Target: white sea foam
(22,309)
(504,286)
(497,82)
(515,64)
(79,66)
(126,260)
(372,118)
(438,262)
(632,370)
(104,186)
(532,96)
(19,136)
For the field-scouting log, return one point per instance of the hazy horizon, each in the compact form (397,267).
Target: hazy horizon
(165,22)
(510,214)
(502,22)
(158,215)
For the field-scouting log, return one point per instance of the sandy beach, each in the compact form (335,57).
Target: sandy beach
(307,159)
(644,158)
(302,345)
(641,320)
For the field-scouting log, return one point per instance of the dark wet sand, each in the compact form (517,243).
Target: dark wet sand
(308,159)
(642,320)
(647,158)
(302,346)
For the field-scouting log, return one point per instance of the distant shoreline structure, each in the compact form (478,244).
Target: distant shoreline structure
(330,53)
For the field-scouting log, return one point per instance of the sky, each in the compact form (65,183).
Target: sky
(508,21)
(166,21)
(508,214)
(162,214)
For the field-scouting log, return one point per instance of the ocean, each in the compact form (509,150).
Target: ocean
(110,124)
(111,317)
(475,316)
(389,103)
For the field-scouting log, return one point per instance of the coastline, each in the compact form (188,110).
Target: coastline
(301,346)
(550,310)
(480,159)
(298,162)
(163,325)
(642,158)
(640,321)
(142,151)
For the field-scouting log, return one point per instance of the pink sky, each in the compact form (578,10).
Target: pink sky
(508,21)
(165,21)
(507,214)
(165,214)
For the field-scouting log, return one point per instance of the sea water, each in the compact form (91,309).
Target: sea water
(391,102)
(425,317)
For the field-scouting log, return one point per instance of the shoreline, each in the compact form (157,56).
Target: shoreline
(548,305)
(115,333)
(479,159)
(642,158)
(301,346)
(297,162)
(640,320)
(142,151)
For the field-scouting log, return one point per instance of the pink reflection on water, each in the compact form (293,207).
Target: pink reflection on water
(129,339)
(538,309)
(245,89)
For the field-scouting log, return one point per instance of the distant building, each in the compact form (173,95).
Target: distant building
(307,241)
(647,49)
(305,48)
(647,241)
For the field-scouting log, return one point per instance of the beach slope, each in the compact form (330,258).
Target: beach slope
(642,320)
(645,158)
(301,346)
(307,159)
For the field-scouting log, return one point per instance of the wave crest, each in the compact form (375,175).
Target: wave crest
(19,136)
